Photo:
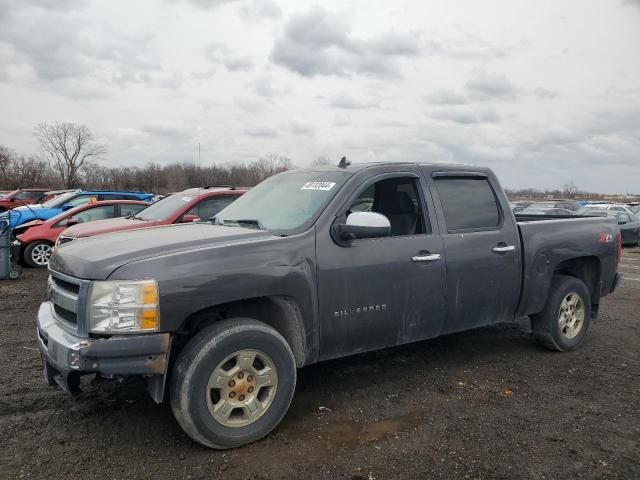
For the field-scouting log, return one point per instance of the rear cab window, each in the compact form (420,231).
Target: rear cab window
(468,204)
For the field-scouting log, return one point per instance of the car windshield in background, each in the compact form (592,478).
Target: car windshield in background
(59,200)
(285,203)
(589,210)
(164,208)
(541,205)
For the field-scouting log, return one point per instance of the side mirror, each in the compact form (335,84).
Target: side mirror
(621,222)
(190,218)
(364,225)
(71,222)
(67,206)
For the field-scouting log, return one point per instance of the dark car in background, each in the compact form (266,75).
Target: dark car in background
(553,212)
(520,205)
(183,207)
(538,207)
(628,224)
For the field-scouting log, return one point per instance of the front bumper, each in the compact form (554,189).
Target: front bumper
(65,354)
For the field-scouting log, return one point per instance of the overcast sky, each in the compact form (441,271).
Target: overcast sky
(543,92)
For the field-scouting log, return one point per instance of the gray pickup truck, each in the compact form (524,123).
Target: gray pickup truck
(311,265)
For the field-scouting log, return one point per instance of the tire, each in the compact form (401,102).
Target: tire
(35,254)
(194,400)
(559,326)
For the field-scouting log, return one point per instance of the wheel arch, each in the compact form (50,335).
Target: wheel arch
(281,313)
(588,269)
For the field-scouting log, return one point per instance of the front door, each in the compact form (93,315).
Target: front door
(380,292)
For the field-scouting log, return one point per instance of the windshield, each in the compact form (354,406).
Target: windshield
(284,203)
(164,208)
(589,208)
(59,200)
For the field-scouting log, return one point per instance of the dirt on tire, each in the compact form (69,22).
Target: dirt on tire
(489,403)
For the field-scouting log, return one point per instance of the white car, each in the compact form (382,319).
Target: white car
(612,208)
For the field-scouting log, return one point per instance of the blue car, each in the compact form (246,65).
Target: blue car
(45,211)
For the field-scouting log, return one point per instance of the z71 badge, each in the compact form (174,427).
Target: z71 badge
(359,310)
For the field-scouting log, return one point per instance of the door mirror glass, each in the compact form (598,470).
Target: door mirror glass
(365,225)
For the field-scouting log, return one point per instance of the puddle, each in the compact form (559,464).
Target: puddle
(351,432)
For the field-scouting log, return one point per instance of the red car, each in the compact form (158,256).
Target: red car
(21,196)
(37,238)
(187,206)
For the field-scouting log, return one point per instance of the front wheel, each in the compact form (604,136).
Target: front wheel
(37,253)
(564,321)
(233,383)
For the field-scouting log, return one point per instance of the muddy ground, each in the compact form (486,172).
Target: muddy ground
(483,404)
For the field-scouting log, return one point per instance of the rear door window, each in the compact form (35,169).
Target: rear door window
(211,206)
(82,199)
(127,210)
(468,204)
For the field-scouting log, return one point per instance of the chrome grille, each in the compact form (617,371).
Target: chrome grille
(68,296)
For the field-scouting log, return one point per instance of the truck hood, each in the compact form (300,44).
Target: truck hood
(20,216)
(95,258)
(108,226)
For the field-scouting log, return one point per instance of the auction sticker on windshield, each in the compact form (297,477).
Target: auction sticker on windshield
(318,186)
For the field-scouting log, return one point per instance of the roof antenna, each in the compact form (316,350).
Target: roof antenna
(344,163)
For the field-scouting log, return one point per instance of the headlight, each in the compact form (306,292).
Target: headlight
(124,306)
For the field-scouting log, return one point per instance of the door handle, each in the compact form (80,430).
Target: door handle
(505,248)
(430,257)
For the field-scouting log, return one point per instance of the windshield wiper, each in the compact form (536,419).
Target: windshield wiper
(135,217)
(245,222)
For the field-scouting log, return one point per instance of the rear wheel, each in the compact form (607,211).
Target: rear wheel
(233,383)
(37,253)
(564,322)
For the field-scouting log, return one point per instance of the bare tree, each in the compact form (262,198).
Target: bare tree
(7,157)
(68,146)
(570,189)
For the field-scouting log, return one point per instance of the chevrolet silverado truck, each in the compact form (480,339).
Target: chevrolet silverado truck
(311,265)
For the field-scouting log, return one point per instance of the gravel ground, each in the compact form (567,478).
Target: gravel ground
(488,403)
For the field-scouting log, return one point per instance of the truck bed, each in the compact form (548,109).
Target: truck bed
(550,244)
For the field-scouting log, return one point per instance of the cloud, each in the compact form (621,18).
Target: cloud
(544,94)
(466,115)
(320,43)
(261,131)
(79,57)
(219,54)
(447,97)
(465,46)
(348,102)
(485,86)
(301,128)
(263,86)
(204,4)
(260,10)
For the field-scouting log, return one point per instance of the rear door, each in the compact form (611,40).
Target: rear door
(482,250)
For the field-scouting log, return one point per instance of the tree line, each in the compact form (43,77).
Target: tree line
(69,158)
